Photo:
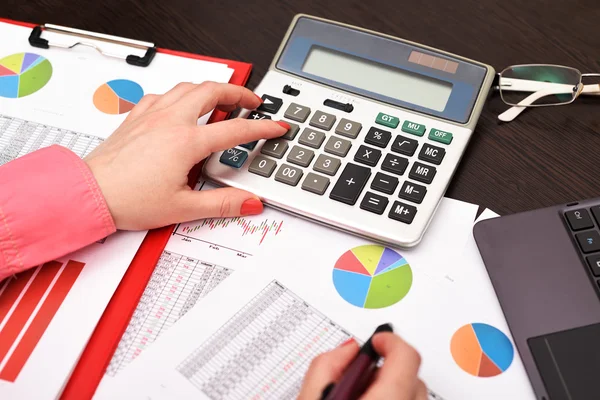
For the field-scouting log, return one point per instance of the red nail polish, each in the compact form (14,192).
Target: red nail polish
(284,125)
(251,207)
(259,98)
(347,342)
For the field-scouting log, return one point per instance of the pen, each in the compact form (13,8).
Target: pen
(359,373)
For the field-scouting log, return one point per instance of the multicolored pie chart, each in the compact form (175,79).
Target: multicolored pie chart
(118,96)
(23,74)
(372,276)
(482,350)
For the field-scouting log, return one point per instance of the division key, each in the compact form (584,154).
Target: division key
(350,184)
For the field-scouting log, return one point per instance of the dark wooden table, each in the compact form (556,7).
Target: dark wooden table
(547,156)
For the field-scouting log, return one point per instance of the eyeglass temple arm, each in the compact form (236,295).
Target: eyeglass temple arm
(514,111)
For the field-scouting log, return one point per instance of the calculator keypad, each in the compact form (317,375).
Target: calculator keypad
(322,120)
(325,141)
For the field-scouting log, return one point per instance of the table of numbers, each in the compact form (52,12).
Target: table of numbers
(176,285)
(19,137)
(263,351)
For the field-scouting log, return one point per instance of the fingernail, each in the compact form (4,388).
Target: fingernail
(284,125)
(259,98)
(347,342)
(251,207)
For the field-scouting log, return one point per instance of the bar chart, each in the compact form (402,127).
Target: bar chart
(28,303)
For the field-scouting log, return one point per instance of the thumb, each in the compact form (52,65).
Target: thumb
(223,202)
(327,368)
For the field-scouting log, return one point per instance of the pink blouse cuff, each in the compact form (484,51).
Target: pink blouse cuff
(50,205)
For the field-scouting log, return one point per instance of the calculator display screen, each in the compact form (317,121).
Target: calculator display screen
(375,77)
(385,69)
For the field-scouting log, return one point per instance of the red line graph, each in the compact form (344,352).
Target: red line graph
(247,227)
(27,305)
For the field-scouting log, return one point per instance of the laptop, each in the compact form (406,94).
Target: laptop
(545,268)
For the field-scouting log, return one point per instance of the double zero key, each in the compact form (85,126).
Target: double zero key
(350,184)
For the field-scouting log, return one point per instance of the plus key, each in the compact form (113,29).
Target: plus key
(350,184)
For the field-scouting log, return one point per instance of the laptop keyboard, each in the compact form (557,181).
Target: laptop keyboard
(585,225)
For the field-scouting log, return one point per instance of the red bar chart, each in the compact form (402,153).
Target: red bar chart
(28,303)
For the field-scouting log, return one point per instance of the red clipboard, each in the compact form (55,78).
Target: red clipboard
(104,341)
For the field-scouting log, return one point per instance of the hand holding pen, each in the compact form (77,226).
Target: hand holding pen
(349,372)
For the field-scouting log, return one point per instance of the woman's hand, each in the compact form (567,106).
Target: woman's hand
(142,168)
(397,379)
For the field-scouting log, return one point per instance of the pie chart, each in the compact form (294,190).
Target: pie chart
(118,96)
(372,276)
(482,350)
(23,74)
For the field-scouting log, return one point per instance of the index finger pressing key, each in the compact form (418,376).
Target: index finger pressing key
(233,132)
(209,95)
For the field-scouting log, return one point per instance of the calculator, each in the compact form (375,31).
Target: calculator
(378,127)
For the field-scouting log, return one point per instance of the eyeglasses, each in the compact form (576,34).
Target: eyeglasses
(539,85)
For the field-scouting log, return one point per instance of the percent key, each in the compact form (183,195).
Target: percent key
(234,157)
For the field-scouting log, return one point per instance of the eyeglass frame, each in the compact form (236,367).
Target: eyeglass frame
(518,108)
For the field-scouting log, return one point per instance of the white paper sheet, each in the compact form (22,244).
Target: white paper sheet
(63,112)
(302,262)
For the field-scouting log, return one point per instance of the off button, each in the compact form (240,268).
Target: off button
(440,136)
(387,120)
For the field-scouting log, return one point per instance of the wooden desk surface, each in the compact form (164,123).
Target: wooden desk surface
(547,156)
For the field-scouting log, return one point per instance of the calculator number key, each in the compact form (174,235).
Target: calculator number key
(374,203)
(422,173)
(404,145)
(338,146)
(378,137)
(322,120)
(288,175)
(300,156)
(384,183)
(292,132)
(327,165)
(262,166)
(315,183)
(367,155)
(275,147)
(348,128)
(402,212)
(413,192)
(297,113)
(311,138)
(432,154)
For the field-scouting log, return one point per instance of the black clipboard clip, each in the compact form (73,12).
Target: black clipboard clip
(78,37)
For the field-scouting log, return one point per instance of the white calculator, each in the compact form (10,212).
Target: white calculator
(378,127)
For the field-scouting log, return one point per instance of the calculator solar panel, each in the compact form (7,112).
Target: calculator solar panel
(354,158)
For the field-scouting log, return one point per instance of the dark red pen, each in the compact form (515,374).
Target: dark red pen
(358,375)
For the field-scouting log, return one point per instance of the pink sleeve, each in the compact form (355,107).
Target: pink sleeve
(50,205)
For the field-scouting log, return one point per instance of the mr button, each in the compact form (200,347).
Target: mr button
(422,173)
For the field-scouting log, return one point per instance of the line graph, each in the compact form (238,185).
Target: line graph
(244,235)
